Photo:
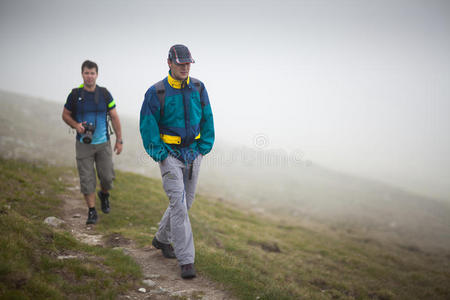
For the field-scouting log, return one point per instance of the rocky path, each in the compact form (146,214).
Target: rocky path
(162,276)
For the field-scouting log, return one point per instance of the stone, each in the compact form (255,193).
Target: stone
(159,291)
(76,216)
(62,257)
(149,282)
(142,290)
(53,221)
(181,294)
(89,239)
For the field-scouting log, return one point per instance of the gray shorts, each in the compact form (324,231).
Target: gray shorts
(101,154)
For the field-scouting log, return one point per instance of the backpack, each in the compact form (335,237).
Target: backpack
(161,92)
(78,94)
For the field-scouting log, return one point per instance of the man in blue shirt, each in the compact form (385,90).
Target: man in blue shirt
(86,111)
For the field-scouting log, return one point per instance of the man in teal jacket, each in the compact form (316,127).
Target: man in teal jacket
(177,130)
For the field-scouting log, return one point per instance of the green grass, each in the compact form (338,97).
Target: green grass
(251,255)
(239,250)
(29,268)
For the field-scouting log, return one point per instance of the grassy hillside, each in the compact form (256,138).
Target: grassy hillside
(251,255)
(29,249)
(262,181)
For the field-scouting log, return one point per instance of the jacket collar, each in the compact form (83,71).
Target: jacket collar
(177,84)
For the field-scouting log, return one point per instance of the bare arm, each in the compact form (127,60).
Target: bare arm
(67,117)
(117,129)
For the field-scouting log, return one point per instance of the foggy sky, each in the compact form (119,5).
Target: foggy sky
(358,86)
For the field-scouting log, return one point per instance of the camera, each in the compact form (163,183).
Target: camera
(89,129)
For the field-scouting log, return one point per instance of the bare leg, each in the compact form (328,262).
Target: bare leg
(90,200)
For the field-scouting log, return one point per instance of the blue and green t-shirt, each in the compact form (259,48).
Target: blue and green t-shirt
(95,113)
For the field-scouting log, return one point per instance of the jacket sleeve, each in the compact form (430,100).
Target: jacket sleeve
(148,126)
(206,141)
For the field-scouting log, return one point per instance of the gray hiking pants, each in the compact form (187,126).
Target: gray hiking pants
(175,227)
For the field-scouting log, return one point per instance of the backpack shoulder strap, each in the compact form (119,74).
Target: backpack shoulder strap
(74,99)
(161,93)
(105,94)
(104,91)
(74,95)
(197,83)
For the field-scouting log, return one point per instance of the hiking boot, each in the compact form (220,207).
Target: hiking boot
(104,199)
(167,249)
(187,271)
(92,217)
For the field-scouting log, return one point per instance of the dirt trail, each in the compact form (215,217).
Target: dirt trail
(163,273)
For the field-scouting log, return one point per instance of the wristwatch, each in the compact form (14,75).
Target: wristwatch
(119,141)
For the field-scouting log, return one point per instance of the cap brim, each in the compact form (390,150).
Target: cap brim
(185,61)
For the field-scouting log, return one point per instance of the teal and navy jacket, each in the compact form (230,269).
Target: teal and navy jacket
(185,128)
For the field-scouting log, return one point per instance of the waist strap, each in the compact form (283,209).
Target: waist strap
(173,139)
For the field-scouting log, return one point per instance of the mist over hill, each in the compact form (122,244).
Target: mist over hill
(256,179)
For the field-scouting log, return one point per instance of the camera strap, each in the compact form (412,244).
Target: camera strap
(96,99)
(96,94)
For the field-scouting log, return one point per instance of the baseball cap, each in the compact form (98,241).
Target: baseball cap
(180,54)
